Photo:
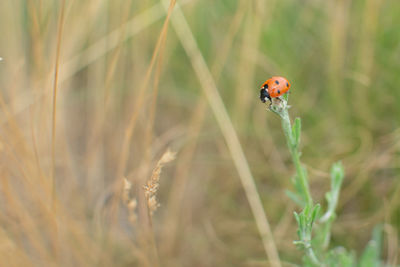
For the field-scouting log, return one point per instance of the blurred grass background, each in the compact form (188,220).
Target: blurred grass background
(117,112)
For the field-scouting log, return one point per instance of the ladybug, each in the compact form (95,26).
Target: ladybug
(274,87)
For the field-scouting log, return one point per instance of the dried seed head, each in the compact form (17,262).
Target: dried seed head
(126,191)
(130,202)
(152,185)
(153,204)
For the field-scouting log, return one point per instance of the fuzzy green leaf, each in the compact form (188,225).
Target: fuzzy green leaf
(315,213)
(337,175)
(295,198)
(339,257)
(371,254)
(332,197)
(296,130)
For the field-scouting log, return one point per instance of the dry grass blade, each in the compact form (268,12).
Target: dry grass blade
(95,51)
(55,84)
(112,40)
(153,104)
(184,164)
(53,130)
(207,82)
(137,106)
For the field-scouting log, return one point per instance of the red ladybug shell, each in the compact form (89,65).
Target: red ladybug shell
(276,86)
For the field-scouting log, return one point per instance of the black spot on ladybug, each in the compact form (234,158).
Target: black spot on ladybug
(276,81)
(266,86)
(287,84)
(279,91)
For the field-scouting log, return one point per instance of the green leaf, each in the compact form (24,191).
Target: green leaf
(305,221)
(339,257)
(332,197)
(296,130)
(328,197)
(337,175)
(295,198)
(299,189)
(299,194)
(371,254)
(315,213)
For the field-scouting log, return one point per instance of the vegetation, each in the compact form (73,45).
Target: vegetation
(316,248)
(132,133)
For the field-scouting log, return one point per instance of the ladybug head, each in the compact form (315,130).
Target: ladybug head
(264,94)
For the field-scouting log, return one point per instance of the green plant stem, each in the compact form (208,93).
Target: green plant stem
(293,148)
(305,219)
(311,255)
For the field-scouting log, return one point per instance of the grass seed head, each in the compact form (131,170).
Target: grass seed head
(152,185)
(130,202)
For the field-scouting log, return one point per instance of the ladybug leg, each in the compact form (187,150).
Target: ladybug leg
(278,99)
(270,102)
(270,106)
